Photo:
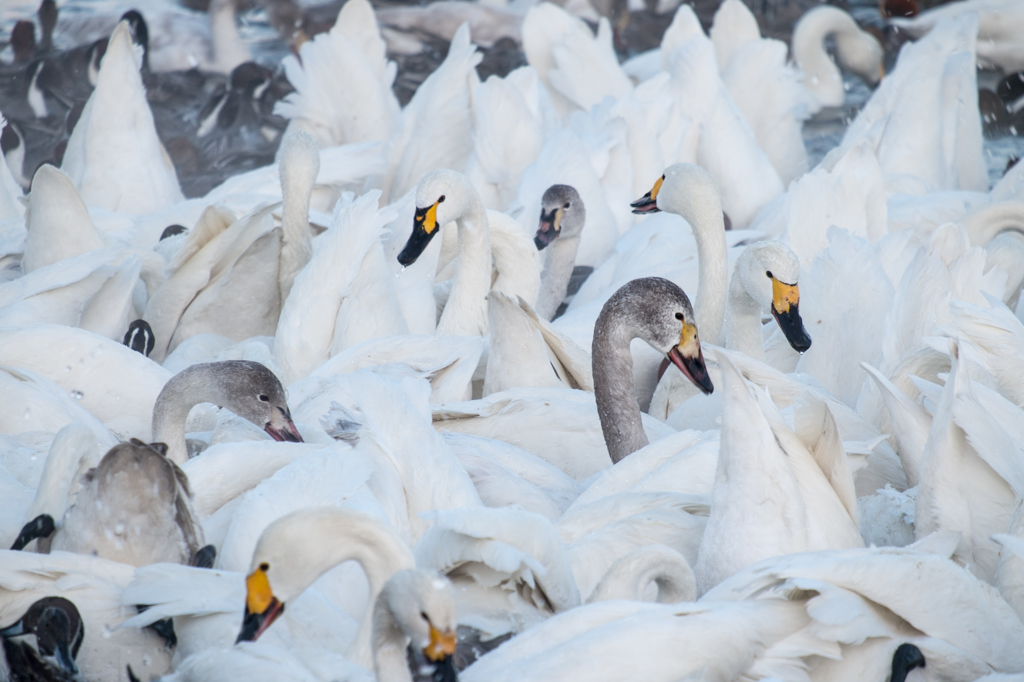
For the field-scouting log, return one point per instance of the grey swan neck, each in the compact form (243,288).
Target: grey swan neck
(613,384)
(554,281)
(179,395)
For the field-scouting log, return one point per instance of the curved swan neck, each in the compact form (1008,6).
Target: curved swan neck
(300,164)
(743,321)
(170,412)
(613,385)
(554,281)
(821,75)
(465,314)
(389,645)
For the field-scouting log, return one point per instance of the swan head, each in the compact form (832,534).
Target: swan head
(251,391)
(659,312)
(57,625)
(770,273)
(441,197)
(678,190)
(422,605)
(561,210)
(860,52)
(298,548)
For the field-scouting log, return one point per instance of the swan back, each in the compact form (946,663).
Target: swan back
(733,26)
(134,508)
(59,225)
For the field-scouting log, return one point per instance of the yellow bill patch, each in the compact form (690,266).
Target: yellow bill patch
(427,218)
(657,187)
(258,594)
(689,345)
(556,224)
(784,296)
(442,645)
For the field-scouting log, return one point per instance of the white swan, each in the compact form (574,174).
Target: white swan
(351,57)
(772,496)
(445,196)
(857,51)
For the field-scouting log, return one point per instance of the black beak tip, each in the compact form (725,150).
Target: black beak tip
(792,327)
(406,259)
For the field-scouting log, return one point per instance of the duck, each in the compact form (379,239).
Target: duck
(94,586)
(57,626)
(856,50)
(562,218)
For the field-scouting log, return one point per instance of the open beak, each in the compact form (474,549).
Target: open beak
(549,229)
(648,203)
(687,356)
(283,428)
(424,227)
(261,606)
(786,311)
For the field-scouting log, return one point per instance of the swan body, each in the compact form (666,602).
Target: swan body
(808,514)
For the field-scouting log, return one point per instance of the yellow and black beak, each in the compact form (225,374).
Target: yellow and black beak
(261,606)
(424,227)
(550,227)
(688,357)
(648,203)
(441,653)
(786,311)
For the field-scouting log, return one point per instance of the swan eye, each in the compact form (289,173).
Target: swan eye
(264,399)
(423,615)
(679,316)
(566,207)
(264,567)
(768,274)
(441,199)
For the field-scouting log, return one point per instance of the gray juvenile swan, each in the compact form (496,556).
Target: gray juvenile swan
(659,312)
(247,388)
(562,216)
(134,507)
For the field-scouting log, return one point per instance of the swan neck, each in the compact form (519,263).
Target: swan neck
(554,281)
(821,75)
(389,645)
(709,232)
(743,321)
(170,412)
(465,314)
(381,555)
(296,240)
(613,387)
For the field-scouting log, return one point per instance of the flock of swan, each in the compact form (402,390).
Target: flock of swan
(580,373)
